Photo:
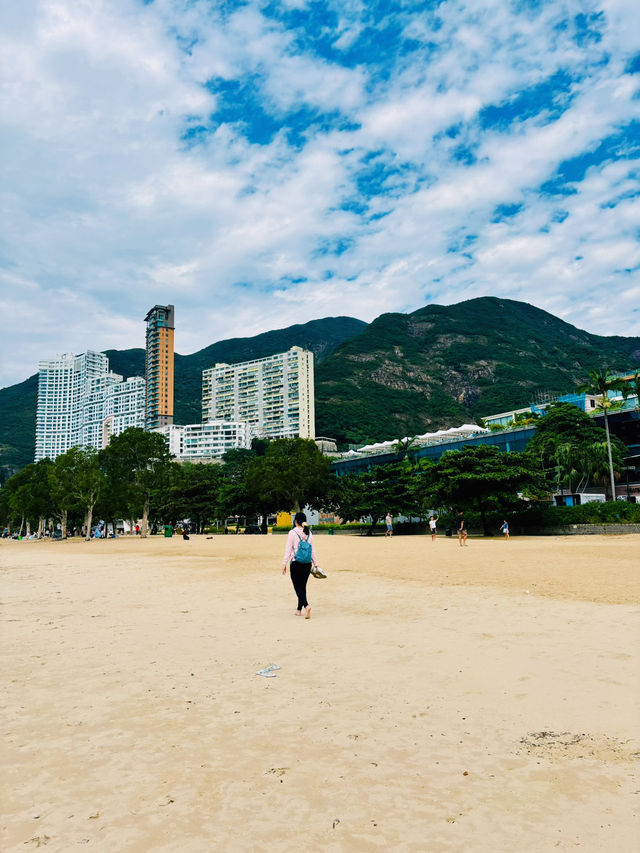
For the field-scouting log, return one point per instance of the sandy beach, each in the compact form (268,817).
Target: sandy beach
(439,699)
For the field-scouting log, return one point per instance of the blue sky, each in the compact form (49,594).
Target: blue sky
(264,163)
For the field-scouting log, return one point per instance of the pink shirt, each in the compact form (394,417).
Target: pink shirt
(291,548)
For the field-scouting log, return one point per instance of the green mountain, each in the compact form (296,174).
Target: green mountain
(17,425)
(403,374)
(18,402)
(440,366)
(319,336)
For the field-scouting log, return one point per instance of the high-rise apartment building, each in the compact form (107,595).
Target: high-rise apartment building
(77,395)
(274,395)
(159,366)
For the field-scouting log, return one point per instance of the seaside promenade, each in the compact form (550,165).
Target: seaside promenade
(440,698)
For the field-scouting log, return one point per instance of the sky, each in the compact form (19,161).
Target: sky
(259,164)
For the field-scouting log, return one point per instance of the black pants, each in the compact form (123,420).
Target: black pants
(299,576)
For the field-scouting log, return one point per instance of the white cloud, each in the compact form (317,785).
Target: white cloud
(112,211)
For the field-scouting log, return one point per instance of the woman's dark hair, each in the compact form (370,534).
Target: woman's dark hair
(300,518)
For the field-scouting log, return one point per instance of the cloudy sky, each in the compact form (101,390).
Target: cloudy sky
(264,163)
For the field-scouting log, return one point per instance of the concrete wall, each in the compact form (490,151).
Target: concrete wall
(582,529)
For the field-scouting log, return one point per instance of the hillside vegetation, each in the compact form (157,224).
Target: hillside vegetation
(403,374)
(440,366)
(18,402)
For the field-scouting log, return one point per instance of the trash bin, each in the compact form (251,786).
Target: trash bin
(448,532)
(168,530)
(330,531)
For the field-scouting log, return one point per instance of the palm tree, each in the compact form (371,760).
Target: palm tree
(597,464)
(568,464)
(635,388)
(601,384)
(404,446)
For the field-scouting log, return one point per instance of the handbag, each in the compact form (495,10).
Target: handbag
(317,572)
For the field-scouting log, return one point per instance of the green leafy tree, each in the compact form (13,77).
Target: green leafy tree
(634,388)
(260,445)
(194,493)
(62,482)
(571,463)
(136,460)
(597,463)
(603,384)
(364,495)
(41,493)
(5,515)
(27,496)
(521,419)
(404,446)
(233,495)
(385,488)
(424,486)
(485,479)
(89,483)
(293,473)
(75,482)
(168,497)
(566,442)
(19,497)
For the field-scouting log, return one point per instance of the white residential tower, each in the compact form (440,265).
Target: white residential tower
(80,403)
(274,395)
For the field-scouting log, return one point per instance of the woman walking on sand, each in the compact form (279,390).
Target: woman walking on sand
(301,552)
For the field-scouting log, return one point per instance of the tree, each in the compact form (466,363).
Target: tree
(404,446)
(571,463)
(41,493)
(192,493)
(602,384)
(485,478)
(634,388)
(75,482)
(385,488)
(136,460)
(293,473)
(19,491)
(26,496)
(233,495)
(62,475)
(521,419)
(89,483)
(566,441)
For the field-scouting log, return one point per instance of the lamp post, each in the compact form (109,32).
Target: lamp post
(628,468)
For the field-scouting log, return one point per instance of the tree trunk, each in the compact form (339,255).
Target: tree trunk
(63,522)
(485,532)
(21,526)
(145,519)
(40,527)
(28,528)
(613,482)
(88,520)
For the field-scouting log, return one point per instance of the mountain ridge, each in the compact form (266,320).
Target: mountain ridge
(441,365)
(18,402)
(402,374)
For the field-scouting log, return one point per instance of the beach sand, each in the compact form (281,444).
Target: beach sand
(439,699)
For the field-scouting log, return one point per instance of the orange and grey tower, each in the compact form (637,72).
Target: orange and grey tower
(159,367)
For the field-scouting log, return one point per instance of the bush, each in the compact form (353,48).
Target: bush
(612,512)
(542,515)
